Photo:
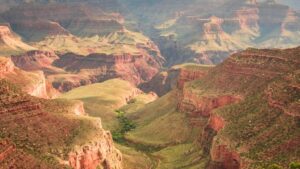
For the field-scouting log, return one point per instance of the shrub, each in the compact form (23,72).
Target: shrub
(126,125)
(274,166)
(295,165)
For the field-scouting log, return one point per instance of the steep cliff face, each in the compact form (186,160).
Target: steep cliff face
(224,158)
(97,153)
(44,133)
(33,83)
(99,67)
(35,60)
(190,74)
(246,100)
(174,78)
(202,106)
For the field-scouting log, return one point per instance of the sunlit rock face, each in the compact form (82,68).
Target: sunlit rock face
(33,83)
(100,152)
(10,43)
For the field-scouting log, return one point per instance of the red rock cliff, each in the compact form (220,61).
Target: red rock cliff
(42,129)
(174,78)
(33,83)
(100,67)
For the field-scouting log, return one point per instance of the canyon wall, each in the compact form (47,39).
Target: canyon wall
(33,83)
(100,67)
(34,120)
(241,101)
(174,78)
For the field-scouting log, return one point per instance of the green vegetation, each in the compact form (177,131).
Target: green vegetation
(137,103)
(156,119)
(274,166)
(126,125)
(295,165)
(102,99)
(134,159)
(183,156)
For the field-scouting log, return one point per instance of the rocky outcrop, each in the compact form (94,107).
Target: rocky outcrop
(79,109)
(100,67)
(263,93)
(6,66)
(5,32)
(38,89)
(36,60)
(33,83)
(162,82)
(10,43)
(216,122)
(33,132)
(174,78)
(95,154)
(203,105)
(223,158)
(186,75)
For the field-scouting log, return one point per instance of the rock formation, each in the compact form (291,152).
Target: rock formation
(227,95)
(174,78)
(33,83)
(208,32)
(100,67)
(41,131)
(11,43)
(36,60)
(98,153)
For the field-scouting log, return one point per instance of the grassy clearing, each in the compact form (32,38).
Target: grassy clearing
(156,119)
(181,156)
(137,103)
(133,159)
(102,99)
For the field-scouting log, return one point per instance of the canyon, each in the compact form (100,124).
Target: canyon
(208,32)
(161,84)
(221,118)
